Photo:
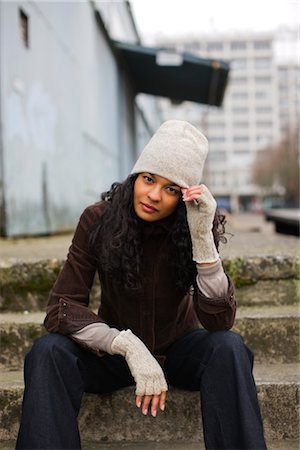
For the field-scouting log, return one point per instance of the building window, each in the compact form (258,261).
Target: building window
(217,139)
(262,45)
(238,45)
(262,94)
(192,46)
(263,109)
(215,125)
(263,80)
(264,124)
(240,63)
(24,28)
(217,156)
(219,179)
(283,114)
(283,90)
(239,80)
(240,139)
(242,95)
(240,110)
(263,139)
(283,74)
(262,63)
(240,124)
(241,152)
(214,46)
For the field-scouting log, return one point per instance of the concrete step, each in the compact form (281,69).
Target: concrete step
(261,279)
(262,293)
(271,332)
(114,417)
(286,444)
(269,293)
(17,333)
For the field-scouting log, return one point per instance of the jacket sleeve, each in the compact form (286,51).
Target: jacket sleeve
(215,313)
(67,309)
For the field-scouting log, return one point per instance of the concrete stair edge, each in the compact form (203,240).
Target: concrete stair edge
(41,274)
(272,338)
(124,421)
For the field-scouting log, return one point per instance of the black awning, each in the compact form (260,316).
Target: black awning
(177,76)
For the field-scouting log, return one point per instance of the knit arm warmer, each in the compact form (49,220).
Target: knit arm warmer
(212,280)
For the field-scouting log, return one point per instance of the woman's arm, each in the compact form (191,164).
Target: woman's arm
(67,309)
(212,280)
(213,298)
(96,337)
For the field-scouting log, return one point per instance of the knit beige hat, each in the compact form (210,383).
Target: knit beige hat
(177,151)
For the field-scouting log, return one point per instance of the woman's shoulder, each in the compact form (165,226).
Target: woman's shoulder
(92,213)
(96,208)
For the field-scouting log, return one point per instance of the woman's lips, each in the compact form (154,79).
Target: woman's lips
(148,208)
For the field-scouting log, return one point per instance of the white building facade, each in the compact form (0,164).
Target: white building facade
(261,101)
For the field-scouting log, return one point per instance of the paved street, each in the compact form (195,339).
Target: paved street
(252,235)
(247,234)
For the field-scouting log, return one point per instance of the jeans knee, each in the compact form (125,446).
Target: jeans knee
(47,348)
(228,342)
(231,340)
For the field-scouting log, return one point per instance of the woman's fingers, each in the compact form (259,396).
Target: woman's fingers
(154,400)
(191,193)
(162,400)
(154,404)
(146,402)
(138,401)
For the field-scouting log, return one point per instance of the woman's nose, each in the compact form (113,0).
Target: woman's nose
(154,194)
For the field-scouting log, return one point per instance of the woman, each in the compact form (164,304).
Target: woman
(153,241)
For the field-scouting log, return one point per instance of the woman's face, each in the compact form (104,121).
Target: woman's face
(155,197)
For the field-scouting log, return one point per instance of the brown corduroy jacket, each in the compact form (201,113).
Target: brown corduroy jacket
(158,314)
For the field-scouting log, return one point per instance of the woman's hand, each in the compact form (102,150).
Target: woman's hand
(151,385)
(201,207)
(192,193)
(155,401)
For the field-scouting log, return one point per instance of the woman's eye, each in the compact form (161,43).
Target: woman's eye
(147,179)
(172,190)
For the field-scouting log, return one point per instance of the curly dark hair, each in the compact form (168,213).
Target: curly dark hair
(116,240)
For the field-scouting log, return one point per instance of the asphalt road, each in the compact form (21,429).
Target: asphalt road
(247,235)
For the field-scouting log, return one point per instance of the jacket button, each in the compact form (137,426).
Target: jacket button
(64,304)
(64,315)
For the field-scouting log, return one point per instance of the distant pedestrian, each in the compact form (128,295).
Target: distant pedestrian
(153,240)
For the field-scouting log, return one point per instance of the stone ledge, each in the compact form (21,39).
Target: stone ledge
(273,335)
(269,293)
(114,417)
(143,445)
(249,270)
(27,285)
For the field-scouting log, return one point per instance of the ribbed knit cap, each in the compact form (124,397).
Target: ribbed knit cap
(177,151)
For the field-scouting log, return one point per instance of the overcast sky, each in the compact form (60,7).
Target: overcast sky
(177,17)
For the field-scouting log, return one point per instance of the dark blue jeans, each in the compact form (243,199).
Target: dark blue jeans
(219,365)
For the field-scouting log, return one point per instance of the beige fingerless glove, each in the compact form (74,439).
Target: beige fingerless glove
(146,371)
(200,216)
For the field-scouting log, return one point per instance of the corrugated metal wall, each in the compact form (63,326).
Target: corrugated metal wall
(67,116)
